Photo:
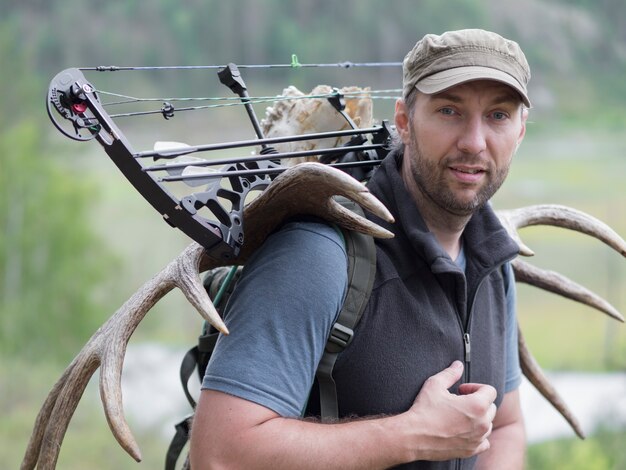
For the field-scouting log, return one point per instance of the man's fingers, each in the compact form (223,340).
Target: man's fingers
(487,391)
(484,446)
(467,389)
(492,412)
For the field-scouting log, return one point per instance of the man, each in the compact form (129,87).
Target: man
(430,379)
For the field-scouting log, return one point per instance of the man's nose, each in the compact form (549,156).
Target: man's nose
(473,138)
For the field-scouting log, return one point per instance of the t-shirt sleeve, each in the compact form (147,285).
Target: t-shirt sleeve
(288,297)
(513,370)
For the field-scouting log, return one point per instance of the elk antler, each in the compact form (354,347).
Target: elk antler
(304,189)
(565,217)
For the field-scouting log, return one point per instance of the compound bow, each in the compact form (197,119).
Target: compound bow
(73,98)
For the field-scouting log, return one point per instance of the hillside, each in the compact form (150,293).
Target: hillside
(577,50)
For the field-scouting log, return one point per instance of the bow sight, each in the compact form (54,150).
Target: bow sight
(213,216)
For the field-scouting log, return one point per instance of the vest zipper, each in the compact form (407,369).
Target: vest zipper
(466,373)
(466,329)
(468,347)
(468,350)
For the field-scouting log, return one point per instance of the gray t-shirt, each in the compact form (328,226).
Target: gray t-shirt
(286,301)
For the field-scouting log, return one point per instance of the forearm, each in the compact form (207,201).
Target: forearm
(508,439)
(507,449)
(283,443)
(368,443)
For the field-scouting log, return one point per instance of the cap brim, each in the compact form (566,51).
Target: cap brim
(445,79)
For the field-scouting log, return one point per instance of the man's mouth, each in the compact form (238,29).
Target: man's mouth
(467,174)
(471,171)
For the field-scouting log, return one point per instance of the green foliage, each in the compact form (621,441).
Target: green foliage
(603,451)
(17,100)
(88,443)
(569,45)
(50,259)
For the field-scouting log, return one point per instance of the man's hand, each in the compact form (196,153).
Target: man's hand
(452,426)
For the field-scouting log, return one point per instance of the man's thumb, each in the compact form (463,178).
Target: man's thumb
(448,377)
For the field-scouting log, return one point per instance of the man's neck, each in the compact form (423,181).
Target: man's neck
(445,226)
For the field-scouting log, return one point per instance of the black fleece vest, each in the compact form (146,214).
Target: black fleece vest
(424,310)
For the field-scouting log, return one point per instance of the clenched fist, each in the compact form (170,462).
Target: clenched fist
(448,426)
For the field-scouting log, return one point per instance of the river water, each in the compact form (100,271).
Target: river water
(154,399)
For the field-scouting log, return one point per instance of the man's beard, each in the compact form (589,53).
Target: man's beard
(430,180)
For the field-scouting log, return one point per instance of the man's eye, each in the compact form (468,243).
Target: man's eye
(446,111)
(499,115)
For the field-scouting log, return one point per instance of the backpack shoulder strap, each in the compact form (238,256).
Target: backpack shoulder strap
(361,253)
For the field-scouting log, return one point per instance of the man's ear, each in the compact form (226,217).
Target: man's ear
(401,120)
(522,132)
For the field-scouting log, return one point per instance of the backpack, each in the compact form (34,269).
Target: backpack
(220,283)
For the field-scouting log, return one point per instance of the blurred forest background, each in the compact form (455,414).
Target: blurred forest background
(76,240)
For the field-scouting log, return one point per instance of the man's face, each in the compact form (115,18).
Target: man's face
(459,144)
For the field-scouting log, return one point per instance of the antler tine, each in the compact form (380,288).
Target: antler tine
(532,371)
(308,188)
(106,348)
(565,217)
(188,281)
(183,273)
(561,285)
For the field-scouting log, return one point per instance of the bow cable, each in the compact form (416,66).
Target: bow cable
(233,101)
(223,102)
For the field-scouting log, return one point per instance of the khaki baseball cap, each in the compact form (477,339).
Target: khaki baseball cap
(437,63)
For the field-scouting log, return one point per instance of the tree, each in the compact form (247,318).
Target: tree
(50,259)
